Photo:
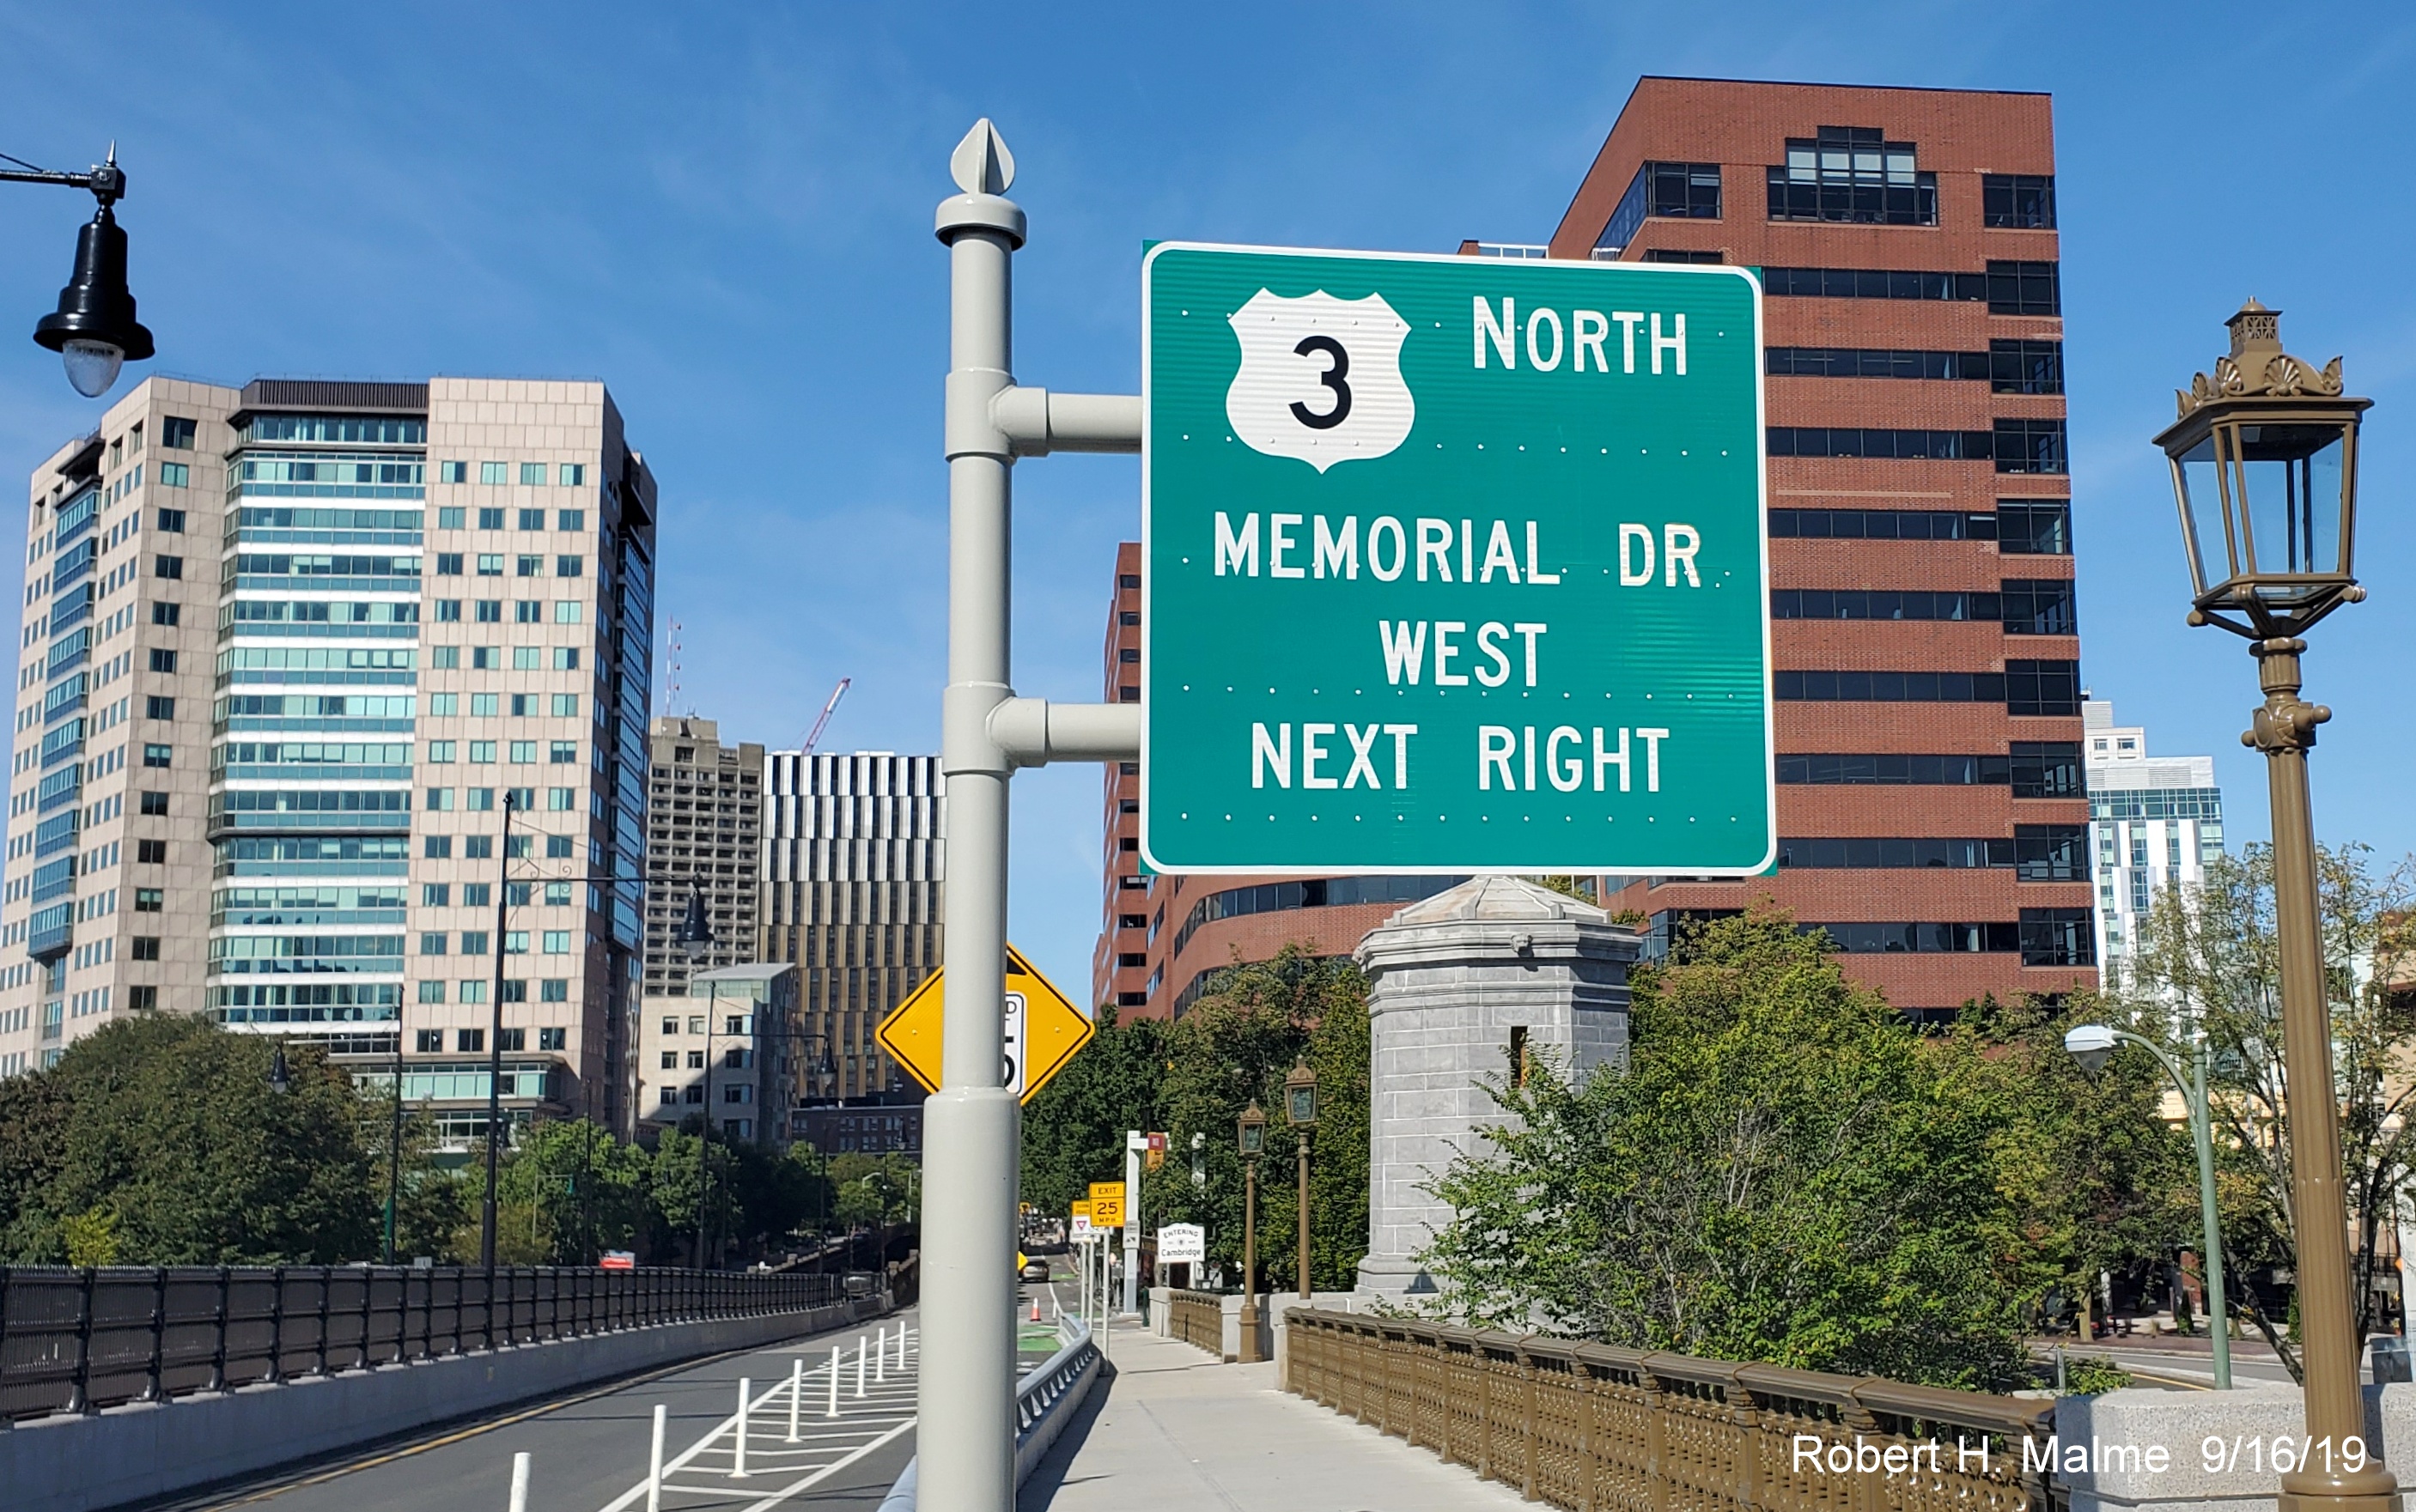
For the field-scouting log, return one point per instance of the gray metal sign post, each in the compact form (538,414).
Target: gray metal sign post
(973,1131)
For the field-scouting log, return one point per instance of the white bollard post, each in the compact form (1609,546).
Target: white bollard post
(797,1393)
(738,1461)
(654,1463)
(881,1355)
(860,1343)
(834,1384)
(519,1481)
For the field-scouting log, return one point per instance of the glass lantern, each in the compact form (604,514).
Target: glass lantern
(2264,461)
(1300,1095)
(1252,1126)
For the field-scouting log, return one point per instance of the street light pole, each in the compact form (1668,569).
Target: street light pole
(394,1144)
(2090,1044)
(495,1054)
(972,1124)
(1251,1136)
(2264,466)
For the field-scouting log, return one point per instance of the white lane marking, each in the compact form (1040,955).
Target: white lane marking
(725,1427)
(827,1471)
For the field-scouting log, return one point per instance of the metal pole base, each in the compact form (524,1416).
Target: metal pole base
(2371,1489)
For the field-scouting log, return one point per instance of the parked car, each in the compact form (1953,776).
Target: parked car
(1036,1271)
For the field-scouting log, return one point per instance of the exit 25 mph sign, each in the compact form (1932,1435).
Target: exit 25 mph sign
(1452,564)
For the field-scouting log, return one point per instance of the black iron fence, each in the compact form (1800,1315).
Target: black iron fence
(79,1341)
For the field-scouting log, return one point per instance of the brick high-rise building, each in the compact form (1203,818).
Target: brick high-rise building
(1931,802)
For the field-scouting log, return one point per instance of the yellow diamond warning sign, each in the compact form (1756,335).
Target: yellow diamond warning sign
(1043,1030)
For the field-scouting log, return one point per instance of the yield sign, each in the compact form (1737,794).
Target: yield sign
(1043,1030)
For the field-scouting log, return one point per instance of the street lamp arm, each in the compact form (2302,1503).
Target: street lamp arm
(2172,1067)
(106,182)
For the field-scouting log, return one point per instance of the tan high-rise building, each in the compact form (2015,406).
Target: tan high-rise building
(854,894)
(704,838)
(303,786)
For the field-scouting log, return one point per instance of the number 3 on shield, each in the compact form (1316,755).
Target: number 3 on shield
(1332,378)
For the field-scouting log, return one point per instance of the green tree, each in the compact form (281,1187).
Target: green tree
(1234,1046)
(1786,1172)
(1074,1130)
(2209,957)
(164,1133)
(681,1194)
(1337,1170)
(573,1191)
(2099,1179)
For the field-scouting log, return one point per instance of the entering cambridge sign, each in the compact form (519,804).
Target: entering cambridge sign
(1452,564)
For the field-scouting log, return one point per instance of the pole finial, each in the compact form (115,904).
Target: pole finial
(981,163)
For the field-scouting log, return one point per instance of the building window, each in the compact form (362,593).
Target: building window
(2025,367)
(1920,939)
(145,946)
(570,566)
(2039,606)
(166,613)
(158,755)
(491,611)
(526,565)
(571,519)
(2057,937)
(453,472)
(155,804)
(158,707)
(1128,579)
(176,432)
(448,564)
(1852,174)
(469,1041)
(448,516)
(149,900)
(482,753)
(2028,446)
(523,753)
(2040,529)
(493,473)
(151,852)
(435,895)
(490,564)
(162,660)
(432,942)
(527,611)
(573,474)
(2024,289)
(563,751)
(173,520)
(430,1042)
(2022,201)
(565,705)
(532,475)
(532,519)
(491,519)
(170,567)
(1689,191)
(448,610)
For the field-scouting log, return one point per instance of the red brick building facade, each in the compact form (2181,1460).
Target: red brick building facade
(1931,808)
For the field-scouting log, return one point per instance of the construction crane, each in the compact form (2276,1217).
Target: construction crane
(814,736)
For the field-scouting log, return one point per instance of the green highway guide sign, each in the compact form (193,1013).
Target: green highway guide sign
(1452,564)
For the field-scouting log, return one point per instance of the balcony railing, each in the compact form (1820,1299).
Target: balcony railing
(1589,1426)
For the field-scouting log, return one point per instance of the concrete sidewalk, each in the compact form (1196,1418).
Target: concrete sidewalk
(1175,1431)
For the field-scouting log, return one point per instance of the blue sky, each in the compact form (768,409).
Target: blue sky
(725,214)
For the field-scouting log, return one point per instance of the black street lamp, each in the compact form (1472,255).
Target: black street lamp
(694,939)
(2264,459)
(1300,1111)
(279,1080)
(94,329)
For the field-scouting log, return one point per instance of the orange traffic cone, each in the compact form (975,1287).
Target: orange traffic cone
(1036,1309)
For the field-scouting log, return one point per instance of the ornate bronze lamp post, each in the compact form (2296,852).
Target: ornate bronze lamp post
(1300,1111)
(1252,1133)
(2264,459)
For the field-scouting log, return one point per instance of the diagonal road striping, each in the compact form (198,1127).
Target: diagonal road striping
(797,1432)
